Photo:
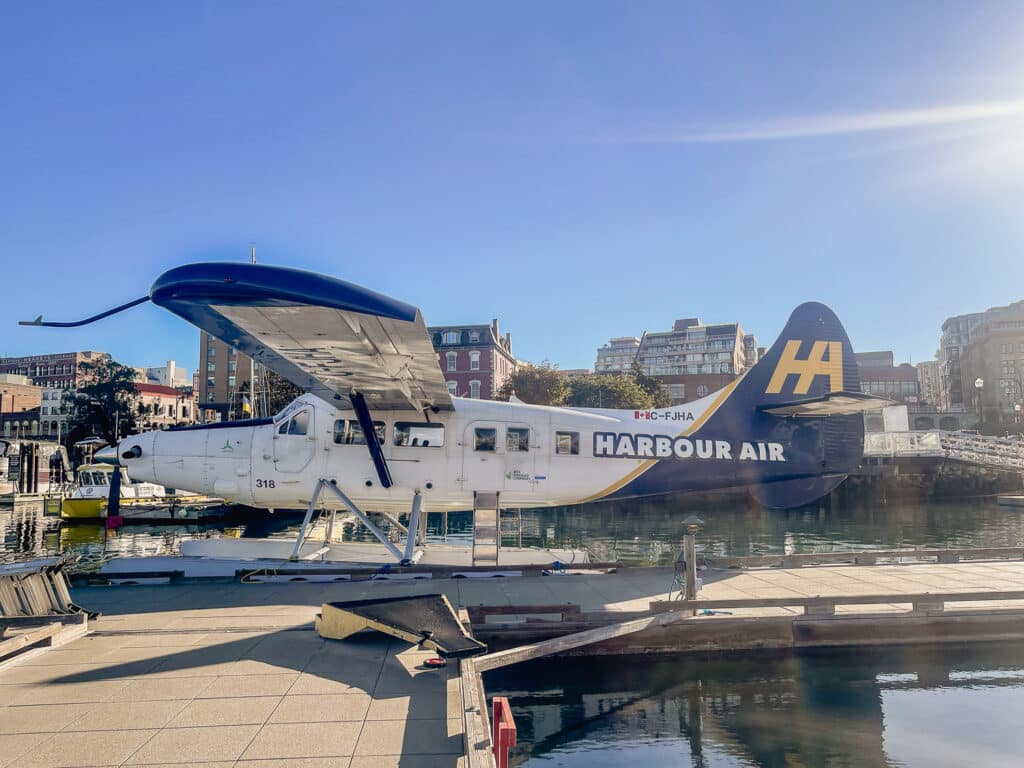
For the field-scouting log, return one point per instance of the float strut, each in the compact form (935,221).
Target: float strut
(412,533)
(306,520)
(378,534)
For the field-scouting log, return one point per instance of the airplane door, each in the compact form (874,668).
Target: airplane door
(498,456)
(294,442)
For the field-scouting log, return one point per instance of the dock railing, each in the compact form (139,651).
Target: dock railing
(998,452)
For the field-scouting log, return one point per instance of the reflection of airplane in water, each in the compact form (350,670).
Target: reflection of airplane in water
(379,429)
(820,708)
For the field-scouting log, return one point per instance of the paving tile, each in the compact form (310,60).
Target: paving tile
(68,693)
(253,710)
(321,708)
(40,718)
(413,737)
(115,715)
(253,685)
(166,688)
(195,744)
(359,680)
(294,762)
(422,707)
(13,746)
(280,740)
(405,761)
(79,750)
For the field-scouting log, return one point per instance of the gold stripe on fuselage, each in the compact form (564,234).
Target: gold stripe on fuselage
(648,463)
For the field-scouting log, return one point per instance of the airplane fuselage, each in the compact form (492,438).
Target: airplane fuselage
(532,455)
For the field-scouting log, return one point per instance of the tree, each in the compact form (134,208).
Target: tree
(536,384)
(111,386)
(608,391)
(280,391)
(660,397)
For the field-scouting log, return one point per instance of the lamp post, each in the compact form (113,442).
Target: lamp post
(978,384)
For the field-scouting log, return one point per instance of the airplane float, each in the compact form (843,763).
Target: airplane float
(377,428)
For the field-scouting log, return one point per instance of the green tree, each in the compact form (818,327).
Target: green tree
(536,384)
(660,397)
(110,385)
(608,391)
(280,391)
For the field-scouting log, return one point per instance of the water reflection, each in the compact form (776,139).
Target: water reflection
(920,706)
(635,532)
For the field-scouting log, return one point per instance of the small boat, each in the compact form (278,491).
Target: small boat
(138,501)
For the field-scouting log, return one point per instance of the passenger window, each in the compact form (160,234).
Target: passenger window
(419,435)
(355,433)
(517,439)
(485,439)
(567,443)
(339,431)
(299,424)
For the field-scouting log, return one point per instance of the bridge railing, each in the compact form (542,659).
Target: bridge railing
(1001,452)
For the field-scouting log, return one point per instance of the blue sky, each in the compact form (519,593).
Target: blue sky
(579,170)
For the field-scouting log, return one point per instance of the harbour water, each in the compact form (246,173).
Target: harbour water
(897,706)
(646,532)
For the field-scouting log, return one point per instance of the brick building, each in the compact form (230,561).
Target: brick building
(20,402)
(880,376)
(222,378)
(159,406)
(61,370)
(692,360)
(475,359)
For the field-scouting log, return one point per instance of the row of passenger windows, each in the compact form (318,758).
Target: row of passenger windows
(426,435)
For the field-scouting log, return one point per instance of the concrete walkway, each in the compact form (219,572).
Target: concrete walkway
(230,674)
(225,685)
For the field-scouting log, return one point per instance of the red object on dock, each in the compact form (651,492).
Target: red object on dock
(504,730)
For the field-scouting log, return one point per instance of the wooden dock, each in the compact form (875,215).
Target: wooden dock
(233,673)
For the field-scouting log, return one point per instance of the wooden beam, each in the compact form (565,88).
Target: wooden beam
(16,643)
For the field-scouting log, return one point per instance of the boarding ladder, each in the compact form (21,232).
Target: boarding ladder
(486,529)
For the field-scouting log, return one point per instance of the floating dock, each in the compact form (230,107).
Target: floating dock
(222,671)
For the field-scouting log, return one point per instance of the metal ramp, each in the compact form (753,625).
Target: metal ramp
(486,528)
(428,620)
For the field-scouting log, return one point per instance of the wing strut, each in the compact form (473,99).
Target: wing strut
(372,443)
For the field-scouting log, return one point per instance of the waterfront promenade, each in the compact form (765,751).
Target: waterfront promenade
(232,674)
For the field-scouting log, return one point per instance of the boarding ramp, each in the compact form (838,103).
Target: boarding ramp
(983,450)
(486,528)
(428,620)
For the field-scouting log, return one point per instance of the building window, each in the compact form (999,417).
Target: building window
(474,389)
(231,381)
(702,390)
(567,443)
(474,337)
(474,361)
(211,367)
(209,395)
(485,439)
(517,439)
(452,358)
(419,435)
(232,366)
(453,388)
(677,391)
(451,337)
(211,351)
(232,351)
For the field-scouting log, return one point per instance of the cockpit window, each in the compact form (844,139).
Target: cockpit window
(296,425)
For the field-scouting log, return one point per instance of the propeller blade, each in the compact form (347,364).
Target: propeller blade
(114,496)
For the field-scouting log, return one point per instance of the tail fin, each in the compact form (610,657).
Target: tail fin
(811,361)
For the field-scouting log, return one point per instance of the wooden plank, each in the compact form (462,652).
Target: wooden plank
(475,723)
(9,646)
(833,600)
(866,557)
(568,642)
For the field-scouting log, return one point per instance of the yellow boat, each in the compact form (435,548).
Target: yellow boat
(89,500)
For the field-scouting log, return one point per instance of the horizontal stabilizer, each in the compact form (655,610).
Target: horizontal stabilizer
(829,404)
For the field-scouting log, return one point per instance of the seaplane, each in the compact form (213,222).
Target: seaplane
(377,429)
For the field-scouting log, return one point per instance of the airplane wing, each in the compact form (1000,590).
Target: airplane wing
(831,404)
(330,337)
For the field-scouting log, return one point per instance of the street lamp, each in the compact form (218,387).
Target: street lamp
(978,384)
